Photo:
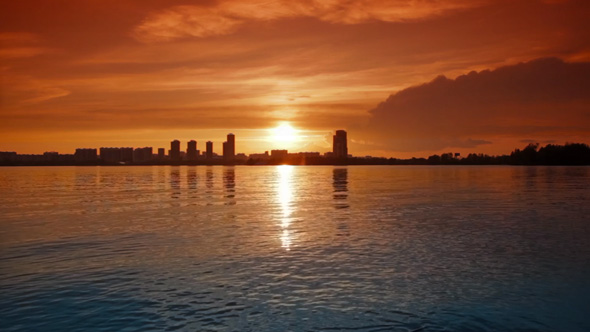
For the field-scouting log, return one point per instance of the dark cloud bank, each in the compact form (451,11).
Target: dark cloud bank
(542,98)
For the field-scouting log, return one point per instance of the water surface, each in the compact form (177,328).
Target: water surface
(305,248)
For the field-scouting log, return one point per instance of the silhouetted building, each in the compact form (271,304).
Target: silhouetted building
(142,155)
(229,147)
(279,154)
(161,153)
(84,155)
(175,150)
(8,156)
(241,157)
(340,146)
(51,156)
(191,150)
(116,155)
(260,156)
(309,154)
(110,155)
(209,152)
(30,158)
(126,155)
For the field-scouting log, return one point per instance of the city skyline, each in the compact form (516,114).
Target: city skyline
(409,78)
(146,155)
(532,154)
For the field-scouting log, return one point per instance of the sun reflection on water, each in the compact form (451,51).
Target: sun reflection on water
(285,198)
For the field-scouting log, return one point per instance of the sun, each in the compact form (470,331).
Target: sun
(284,133)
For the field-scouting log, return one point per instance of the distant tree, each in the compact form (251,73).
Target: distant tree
(527,156)
(434,159)
(446,158)
(570,154)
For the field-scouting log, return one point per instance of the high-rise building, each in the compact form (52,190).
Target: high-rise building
(161,153)
(175,150)
(229,147)
(85,155)
(142,155)
(231,140)
(110,155)
(279,154)
(126,155)
(116,155)
(209,152)
(340,146)
(191,150)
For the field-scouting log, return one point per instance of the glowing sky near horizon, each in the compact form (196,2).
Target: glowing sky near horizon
(142,73)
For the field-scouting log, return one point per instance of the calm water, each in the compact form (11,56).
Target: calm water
(295,248)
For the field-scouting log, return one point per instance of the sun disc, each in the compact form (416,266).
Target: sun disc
(284,133)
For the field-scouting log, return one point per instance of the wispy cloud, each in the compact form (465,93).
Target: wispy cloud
(17,37)
(25,91)
(15,45)
(227,16)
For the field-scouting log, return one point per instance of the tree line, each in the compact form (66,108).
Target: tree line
(568,154)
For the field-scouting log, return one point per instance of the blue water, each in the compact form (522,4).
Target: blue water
(304,248)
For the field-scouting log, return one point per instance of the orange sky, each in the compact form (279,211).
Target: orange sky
(140,73)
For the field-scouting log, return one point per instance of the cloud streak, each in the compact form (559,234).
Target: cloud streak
(225,17)
(16,45)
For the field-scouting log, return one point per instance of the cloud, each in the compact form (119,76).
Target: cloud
(539,98)
(227,16)
(15,45)
(17,37)
(22,52)
(24,91)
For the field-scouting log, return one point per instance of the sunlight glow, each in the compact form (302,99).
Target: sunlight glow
(285,198)
(284,133)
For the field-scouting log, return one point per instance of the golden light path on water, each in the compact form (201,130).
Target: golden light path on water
(357,248)
(285,198)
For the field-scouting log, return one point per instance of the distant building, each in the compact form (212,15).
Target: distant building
(309,154)
(191,150)
(279,154)
(209,152)
(110,155)
(8,156)
(142,155)
(116,155)
(175,150)
(126,155)
(85,155)
(161,153)
(229,147)
(340,145)
(260,156)
(51,156)
(241,157)
(30,158)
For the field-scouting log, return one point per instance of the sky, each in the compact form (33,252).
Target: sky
(403,77)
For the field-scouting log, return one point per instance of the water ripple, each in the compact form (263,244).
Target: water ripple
(294,249)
